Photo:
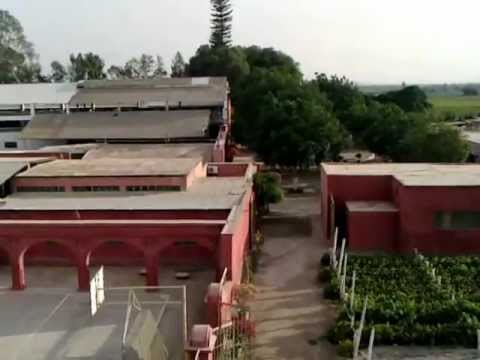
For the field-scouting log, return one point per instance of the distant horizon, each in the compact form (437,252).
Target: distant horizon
(372,42)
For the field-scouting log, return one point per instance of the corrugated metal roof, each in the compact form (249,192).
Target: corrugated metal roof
(18,94)
(155,151)
(186,92)
(113,167)
(122,125)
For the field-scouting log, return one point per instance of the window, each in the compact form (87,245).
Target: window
(40,189)
(81,188)
(457,220)
(10,145)
(106,188)
(153,188)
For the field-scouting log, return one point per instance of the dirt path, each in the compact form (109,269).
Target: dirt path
(289,309)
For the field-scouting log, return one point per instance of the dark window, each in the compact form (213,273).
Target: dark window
(40,189)
(81,188)
(153,188)
(10,145)
(457,220)
(106,188)
(185,243)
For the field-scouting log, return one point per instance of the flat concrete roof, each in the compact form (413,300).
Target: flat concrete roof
(10,167)
(413,174)
(123,125)
(156,151)
(204,194)
(371,206)
(472,136)
(112,167)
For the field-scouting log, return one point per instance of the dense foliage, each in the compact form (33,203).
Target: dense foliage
(221,35)
(267,190)
(409,99)
(407,307)
(18,60)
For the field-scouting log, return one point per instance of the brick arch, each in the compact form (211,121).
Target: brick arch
(29,244)
(166,251)
(96,245)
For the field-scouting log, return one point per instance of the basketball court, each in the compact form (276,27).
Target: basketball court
(57,323)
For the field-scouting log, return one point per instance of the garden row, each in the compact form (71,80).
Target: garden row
(409,302)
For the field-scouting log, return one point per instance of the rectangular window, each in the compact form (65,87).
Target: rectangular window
(81,188)
(106,188)
(10,145)
(457,220)
(157,188)
(40,189)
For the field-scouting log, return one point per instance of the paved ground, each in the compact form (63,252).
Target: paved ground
(289,309)
(51,321)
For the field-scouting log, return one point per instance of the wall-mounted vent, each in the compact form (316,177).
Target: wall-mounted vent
(212,170)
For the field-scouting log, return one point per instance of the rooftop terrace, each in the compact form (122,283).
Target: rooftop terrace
(113,167)
(413,174)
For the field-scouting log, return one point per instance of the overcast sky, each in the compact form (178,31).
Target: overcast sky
(370,41)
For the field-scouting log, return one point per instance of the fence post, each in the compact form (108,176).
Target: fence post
(370,343)
(352,291)
(358,334)
(334,249)
(340,262)
(344,276)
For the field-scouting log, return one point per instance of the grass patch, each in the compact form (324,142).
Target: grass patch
(461,106)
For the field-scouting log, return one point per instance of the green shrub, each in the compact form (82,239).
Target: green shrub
(324,275)
(332,290)
(325,260)
(345,349)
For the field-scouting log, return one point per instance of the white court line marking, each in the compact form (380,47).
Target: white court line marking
(42,324)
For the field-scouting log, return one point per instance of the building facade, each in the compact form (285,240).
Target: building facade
(402,207)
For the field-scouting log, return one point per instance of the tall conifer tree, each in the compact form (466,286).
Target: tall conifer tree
(221,23)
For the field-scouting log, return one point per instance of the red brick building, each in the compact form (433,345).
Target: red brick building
(400,207)
(143,211)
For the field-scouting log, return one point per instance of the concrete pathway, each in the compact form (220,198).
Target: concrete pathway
(289,309)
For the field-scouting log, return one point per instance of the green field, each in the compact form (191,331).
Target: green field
(458,105)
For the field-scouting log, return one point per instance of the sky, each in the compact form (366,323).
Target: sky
(369,41)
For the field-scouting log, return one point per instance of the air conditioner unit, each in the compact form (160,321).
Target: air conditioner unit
(212,170)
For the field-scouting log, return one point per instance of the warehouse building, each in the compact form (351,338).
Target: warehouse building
(401,207)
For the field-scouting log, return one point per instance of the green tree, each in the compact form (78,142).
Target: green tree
(267,190)
(178,65)
(86,66)
(18,60)
(59,73)
(221,35)
(410,99)
(144,67)
(469,91)
(286,121)
(229,62)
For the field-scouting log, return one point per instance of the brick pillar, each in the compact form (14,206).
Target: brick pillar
(18,272)
(151,267)
(83,274)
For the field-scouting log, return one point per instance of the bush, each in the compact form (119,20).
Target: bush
(325,260)
(345,349)
(324,275)
(332,290)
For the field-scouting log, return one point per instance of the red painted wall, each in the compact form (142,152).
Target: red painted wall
(122,182)
(372,231)
(231,169)
(418,206)
(116,215)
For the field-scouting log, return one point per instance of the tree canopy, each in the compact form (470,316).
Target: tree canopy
(221,35)
(178,68)
(86,66)
(410,99)
(144,67)
(59,73)
(18,60)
